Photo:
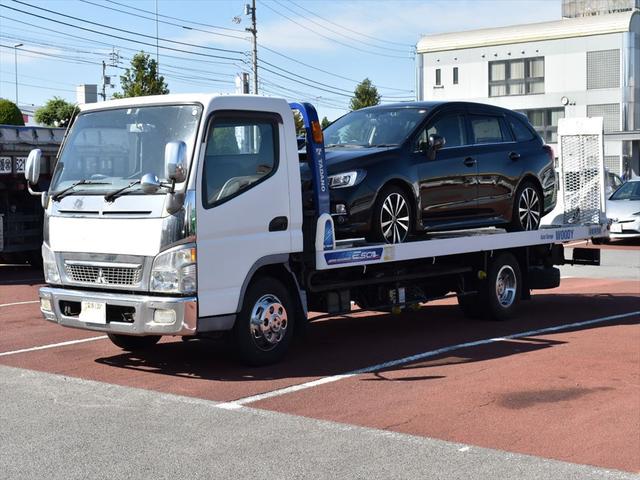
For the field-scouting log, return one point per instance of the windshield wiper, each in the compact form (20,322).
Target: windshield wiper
(382,145)
(67,191)
(111,196)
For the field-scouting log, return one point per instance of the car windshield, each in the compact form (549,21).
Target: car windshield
(376,127)
(111,148)
(628,191)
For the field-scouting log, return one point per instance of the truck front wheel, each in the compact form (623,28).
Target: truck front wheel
(131,343)
(264,327)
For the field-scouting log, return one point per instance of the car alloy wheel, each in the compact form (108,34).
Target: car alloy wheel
(529,209)
(394,218)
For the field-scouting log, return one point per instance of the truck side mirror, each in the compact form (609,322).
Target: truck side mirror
(32,168)
(436,142)
(150,183)
(175,161)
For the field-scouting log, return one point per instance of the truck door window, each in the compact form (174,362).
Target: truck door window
(240,153)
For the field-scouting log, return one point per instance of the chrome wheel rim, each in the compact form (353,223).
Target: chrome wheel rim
(394,218)
(269,322)
(529,209)
(506,286)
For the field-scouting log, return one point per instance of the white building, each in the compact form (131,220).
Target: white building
(574,67)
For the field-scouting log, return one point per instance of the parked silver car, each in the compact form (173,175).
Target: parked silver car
(623,208)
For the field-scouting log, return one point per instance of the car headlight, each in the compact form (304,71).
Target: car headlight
(347,179)
(174,271)
(49,265)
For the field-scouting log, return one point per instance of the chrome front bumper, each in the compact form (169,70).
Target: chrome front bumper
(140,312)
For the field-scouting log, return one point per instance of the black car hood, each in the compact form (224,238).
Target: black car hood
(340,159)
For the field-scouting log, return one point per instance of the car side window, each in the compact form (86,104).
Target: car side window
(520,130)
(486,129)
(240,153)
(451,127)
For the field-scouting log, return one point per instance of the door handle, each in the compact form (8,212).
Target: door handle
(470,161)
(278,224)
(514,155)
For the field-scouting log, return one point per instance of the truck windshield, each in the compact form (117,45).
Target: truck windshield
(378,127)
(110,148)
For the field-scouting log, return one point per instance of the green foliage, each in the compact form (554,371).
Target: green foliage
(224,142)
(56,113)
(297,118)
(142,78)
(325,122)
(365,95)
(10,113)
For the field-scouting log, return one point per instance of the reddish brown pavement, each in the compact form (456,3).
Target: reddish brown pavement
(573,395)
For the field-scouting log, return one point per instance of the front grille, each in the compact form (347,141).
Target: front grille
(104,274)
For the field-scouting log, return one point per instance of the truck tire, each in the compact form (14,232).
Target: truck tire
(264,327)
(131,343)
(501,291)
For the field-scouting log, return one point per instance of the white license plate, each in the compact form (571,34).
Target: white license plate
(616,228)
(93,312)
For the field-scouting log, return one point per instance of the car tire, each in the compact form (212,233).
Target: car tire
(132,343)
(264,327)
(527,208)
(393,218)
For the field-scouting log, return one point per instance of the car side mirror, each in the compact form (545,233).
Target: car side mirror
(175,161)
(436,142)
(32,168)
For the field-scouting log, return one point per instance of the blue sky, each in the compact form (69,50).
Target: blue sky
(312,50)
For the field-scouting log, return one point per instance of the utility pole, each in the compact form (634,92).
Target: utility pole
(104,81)
(15,52)
(251,9)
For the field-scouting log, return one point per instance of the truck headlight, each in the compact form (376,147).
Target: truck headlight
(347,179)
(49,265)
(174,271)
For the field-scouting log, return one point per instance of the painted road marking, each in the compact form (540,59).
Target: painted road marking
(413,358)
(52,345)
(19,303)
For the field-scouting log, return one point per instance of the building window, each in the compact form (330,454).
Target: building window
(545,122)
(438,77)
(610,112)
(603,69)
(524,76)
(455,75)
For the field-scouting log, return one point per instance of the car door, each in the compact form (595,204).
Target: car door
(497,156)
(243,204)
(448,182)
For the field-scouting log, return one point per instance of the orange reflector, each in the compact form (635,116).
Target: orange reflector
(316,130)
(193,255)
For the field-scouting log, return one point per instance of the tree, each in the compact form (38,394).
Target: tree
(10,114)
(142,78)
(57,112)
(365,95)
(325,122)
(297,119)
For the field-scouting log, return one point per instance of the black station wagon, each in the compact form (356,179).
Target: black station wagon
(402,169)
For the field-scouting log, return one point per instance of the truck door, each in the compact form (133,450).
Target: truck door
(243,204)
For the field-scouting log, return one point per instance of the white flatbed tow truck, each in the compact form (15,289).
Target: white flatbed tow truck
(222,242)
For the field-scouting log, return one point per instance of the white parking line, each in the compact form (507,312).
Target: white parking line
(414,358)
(19,303)
(52,345)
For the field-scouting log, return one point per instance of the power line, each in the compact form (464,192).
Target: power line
(349,29)
(348,37)
(244,38)
(127,31)
(325,71)
(330,38)
(175,18)
(118,37)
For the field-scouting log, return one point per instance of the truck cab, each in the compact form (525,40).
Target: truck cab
(162,208)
